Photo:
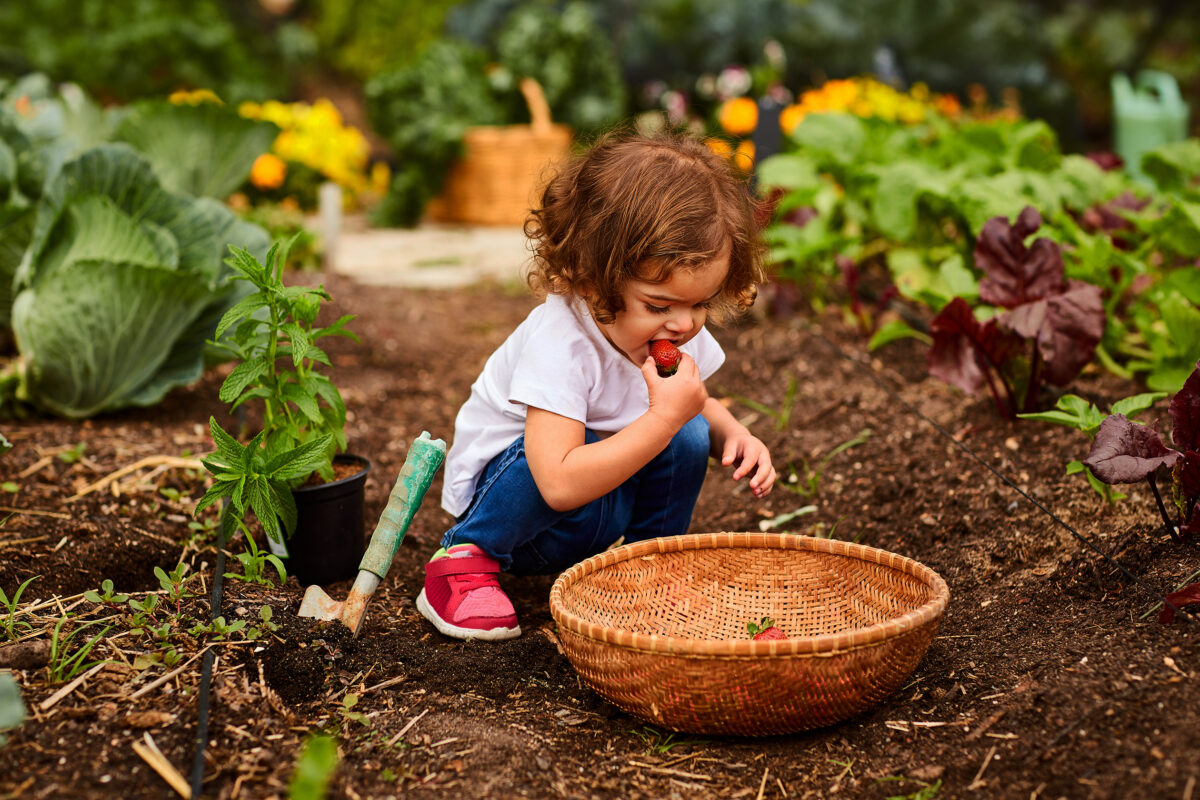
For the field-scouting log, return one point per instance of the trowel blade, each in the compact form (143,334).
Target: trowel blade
(319,605)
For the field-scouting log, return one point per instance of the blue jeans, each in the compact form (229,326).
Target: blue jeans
(510,521)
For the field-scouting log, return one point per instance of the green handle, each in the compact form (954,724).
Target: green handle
(425,456)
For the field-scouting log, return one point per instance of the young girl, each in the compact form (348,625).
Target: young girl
(570,439)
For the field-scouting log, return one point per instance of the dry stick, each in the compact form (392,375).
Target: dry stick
(665,771)
(165,769)
(35,467)
(15,542)
(975,784)
(149,461)
(34,512)
(406,728)
(762,787)
(49,702)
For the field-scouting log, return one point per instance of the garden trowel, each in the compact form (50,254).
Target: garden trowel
(425,456)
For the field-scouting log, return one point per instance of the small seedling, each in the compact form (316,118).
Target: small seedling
(266,625)
(11,487)
(783,415)
(314,768)
(347,712)
(254,564)
(659,743)
(175,584)
(1075,412)
(106,595)
(809,484)
(9,623)
(218,629)
(63,667)
(72,453)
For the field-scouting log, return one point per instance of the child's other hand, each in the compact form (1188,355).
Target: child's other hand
(679,397)
(751,456)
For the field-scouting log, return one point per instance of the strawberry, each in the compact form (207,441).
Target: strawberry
(765,630)
(666,357)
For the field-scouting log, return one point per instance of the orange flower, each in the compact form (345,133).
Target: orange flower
(720,147)
(268,172)
(791,117)
(738,116)
(948,106)
(743,157)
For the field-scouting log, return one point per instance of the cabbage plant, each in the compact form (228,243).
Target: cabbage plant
(121,285)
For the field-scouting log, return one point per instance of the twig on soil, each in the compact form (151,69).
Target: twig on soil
(762,787)
(385,684)
(36,466)
(165,769)
(406,728)
(668,771)
(34,512)
(977,783)
(15,542)
(150,461)
(49,702)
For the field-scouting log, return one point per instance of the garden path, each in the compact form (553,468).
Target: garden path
(430,256)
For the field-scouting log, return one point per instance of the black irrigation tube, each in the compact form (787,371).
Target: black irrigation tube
(207,668)
(1086,541)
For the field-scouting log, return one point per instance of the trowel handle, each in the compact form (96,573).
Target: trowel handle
(425,456)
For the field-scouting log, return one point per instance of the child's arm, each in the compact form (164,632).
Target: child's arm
(732,442)
(570,473)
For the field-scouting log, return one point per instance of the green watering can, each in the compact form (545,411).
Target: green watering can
(1147,112)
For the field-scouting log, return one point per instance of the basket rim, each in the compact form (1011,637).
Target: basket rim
(824,645)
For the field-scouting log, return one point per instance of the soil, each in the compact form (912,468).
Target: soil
(1050,675)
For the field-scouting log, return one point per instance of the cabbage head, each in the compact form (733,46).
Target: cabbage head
(121,286)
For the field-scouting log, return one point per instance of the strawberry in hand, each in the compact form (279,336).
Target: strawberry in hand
(765,629)
(666,357)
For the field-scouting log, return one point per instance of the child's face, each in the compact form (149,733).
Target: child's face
(674,309)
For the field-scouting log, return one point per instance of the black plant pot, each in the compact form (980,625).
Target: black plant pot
(328,542)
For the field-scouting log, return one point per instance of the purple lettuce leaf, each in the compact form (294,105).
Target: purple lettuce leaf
(1185,413)
(1067,328)
(1187,475)
(963,347)
(1188,595)
(1126,452)
(1016,274)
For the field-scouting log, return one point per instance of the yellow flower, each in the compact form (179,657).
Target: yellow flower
(743,157)
(791,117)
(738,116)
(268,172)
(194,98)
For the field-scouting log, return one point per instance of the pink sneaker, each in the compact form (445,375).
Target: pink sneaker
(463,599)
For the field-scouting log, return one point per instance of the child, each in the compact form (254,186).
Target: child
(570,439)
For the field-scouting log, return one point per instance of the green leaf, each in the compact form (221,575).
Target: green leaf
(203,150)
(228,448)
(242,376)
(1132,406)
(300,461)
(239,311)
(894,331)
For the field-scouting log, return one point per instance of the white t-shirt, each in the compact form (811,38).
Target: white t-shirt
(557,360)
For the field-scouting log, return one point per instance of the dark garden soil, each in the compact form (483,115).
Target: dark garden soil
(1047,679)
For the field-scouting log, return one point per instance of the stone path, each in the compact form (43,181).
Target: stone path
(430,256)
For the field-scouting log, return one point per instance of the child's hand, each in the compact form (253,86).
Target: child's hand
(679,397)
(751,456)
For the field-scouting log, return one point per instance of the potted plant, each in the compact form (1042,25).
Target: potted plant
(294,474)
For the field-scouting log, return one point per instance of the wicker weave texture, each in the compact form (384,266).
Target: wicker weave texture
(659,629)
(497,179)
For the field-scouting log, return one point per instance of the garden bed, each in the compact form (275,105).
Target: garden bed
(1047,677)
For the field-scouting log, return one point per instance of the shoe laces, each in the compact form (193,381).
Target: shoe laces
(472,581)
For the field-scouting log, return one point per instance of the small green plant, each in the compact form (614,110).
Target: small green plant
(659,743)
(12,707)
(174,583)
(63,666)
(928,791)
(9,623)
(806,481)
(106,596)
(1073,411)
(218,629)
(314,769)
(783,415)
(5,445)
(347,712)
(72,453)
(254,565)
(265,625)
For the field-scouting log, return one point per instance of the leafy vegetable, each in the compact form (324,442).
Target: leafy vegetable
(1046,330)
(1127,452)
(120,288)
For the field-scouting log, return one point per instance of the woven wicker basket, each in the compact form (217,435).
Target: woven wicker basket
(498,177)
(659,628)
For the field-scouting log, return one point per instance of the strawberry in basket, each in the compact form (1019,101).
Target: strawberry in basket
(765,629)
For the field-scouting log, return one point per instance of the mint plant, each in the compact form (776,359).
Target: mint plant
(1128,452)
(273,334)
(1044,330)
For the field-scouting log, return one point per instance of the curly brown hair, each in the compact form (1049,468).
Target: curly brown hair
(638,207)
